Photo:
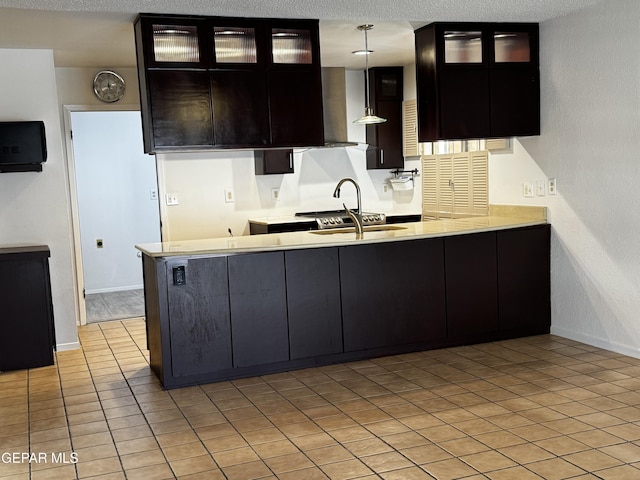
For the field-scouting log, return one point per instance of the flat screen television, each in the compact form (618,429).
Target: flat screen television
(23,146)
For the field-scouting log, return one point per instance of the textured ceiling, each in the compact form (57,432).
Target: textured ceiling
(99,33)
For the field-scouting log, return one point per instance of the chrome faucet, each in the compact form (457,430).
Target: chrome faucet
(355,217)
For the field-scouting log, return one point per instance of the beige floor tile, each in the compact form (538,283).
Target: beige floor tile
(426,454)
(384,462)
(450,468)
(288,463)
(562,445)
(517,473)
(136,445)
(142,459)
(592,460)
(227,442)
(176,438)
(596,438)
(160,471)
(235,456)
(247,471)
(366,447)
(97,467)
(555,469)
(346,470)
(332,454)
(525,453)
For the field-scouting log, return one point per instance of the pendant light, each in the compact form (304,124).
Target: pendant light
(368,118)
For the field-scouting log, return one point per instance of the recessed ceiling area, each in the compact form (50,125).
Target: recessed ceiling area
(86,33)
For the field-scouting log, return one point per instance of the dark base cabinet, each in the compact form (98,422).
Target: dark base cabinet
(27,338)
(257,297)
(221,317)
(313,302)
(524,301)
(393,294)
(472,289)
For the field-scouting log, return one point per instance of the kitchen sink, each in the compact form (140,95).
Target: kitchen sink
(372,228)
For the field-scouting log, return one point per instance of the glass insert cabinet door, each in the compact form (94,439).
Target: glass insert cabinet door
(512,47)
(291,46)
(175,43)
(235,45)
(462,46)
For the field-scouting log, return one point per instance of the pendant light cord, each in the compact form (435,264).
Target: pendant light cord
(366,69)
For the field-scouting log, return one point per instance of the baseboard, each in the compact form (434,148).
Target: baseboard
(114,289)
(62,347)
(597,342)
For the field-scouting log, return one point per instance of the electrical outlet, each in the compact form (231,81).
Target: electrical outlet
(229,197)
(172,199)
(527,189)
(385,188)
(153,194)
(552,186)
(541,188)
(275,194)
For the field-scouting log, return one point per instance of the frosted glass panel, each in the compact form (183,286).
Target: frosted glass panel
(512,47)
(462,47)
(176,43)
(235,45)
(291,45)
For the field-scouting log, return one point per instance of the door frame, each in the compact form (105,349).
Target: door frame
(78,277)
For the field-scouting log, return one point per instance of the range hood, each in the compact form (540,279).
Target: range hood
(334,103)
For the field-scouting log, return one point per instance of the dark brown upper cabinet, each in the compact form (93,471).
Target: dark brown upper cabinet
(274,161)
(385,139)
(221,82)
(477,80)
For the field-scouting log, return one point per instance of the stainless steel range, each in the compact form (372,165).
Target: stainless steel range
(339,218)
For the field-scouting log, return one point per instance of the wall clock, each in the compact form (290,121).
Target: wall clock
(108,86)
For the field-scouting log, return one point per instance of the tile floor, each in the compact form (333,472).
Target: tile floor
(538,407)
(114,305)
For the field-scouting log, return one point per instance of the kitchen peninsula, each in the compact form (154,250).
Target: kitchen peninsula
(232,307)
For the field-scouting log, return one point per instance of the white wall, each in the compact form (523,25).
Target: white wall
(34,205)
(590,86)
(199,181)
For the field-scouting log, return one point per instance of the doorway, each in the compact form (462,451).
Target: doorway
(116,207)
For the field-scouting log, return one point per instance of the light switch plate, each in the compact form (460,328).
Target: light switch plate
(229,197)
(275,194)
(541,188)
(172,199)
(527,189)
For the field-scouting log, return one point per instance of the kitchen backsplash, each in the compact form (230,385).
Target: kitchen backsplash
(204,184)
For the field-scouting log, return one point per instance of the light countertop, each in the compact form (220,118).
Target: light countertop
(345,237)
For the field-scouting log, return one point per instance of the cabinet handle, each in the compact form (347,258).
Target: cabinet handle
(291,160)
(381,156)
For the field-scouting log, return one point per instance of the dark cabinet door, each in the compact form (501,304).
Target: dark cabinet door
(515,102)
(523,280)
(471,282)
(464,103)
(257,298)
(199,316)
(180,110)
(392,294)
(295,107)
(27,337)
(313,302)
(240,108)
(385,139)
(271,162)
(385,149)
